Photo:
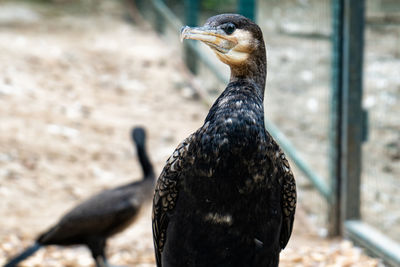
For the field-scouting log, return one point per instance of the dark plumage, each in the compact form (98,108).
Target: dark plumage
(227,196)
(101,216)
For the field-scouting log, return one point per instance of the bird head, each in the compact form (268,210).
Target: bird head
(138,135)
(232,37)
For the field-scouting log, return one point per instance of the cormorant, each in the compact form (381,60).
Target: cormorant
(101,216)
(227,196)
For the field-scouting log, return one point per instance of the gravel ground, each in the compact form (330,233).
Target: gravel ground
(72,84)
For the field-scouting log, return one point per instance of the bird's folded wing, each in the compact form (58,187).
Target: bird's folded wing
(166,194)
(289,198)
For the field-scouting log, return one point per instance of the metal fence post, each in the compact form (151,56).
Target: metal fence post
(247,8)
(159,22)
(191,19)
(139,4)
(352,124)
(334,221)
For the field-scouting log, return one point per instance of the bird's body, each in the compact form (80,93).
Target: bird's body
(101,216)
(221,199)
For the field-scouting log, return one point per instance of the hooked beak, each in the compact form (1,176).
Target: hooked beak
(217,39)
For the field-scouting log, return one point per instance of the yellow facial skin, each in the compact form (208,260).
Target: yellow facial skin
(233,49)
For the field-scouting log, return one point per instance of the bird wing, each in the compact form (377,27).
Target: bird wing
(166,194)
(288,199)
(97,215)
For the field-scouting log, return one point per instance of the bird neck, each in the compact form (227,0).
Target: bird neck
(254,70)
(147,167)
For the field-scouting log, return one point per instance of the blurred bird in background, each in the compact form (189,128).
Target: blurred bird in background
(101,216)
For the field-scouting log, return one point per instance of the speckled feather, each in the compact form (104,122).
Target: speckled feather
(166,193)
(227,196)
(234,126)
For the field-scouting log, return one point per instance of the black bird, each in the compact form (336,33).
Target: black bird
(227,196)
(101,216)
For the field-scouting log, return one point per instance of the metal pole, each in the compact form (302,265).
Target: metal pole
(247,8)
(139,4)
(352,123)
(334,221)
(377,243)
(289,149)
(159,22)
(167,14)
(191,19)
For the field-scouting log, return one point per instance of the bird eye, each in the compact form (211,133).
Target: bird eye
(229,28)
